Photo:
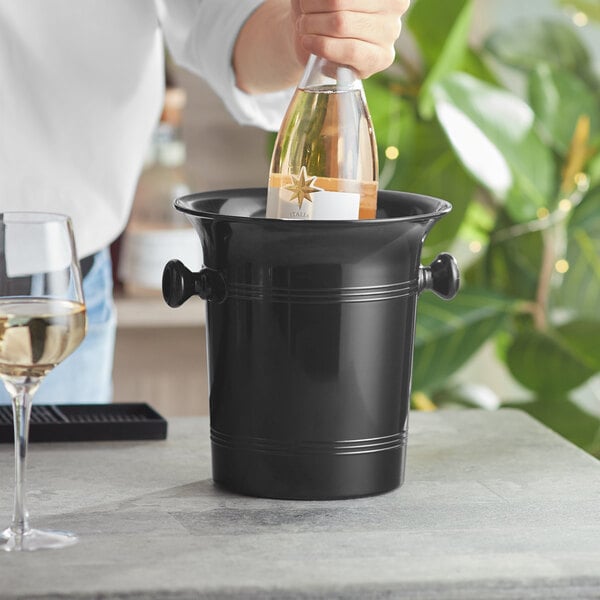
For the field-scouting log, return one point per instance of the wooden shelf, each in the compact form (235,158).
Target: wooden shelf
(152,311)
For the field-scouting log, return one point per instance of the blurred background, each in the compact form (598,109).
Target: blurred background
(493,105)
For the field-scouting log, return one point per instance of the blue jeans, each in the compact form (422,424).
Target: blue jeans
(85,377)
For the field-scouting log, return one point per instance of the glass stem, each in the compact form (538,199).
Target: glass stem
(22,396)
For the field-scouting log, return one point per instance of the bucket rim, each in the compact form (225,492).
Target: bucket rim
(182,205)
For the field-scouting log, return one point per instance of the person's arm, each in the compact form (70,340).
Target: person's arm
(201,35)
(277,38)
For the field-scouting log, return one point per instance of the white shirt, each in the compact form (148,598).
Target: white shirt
(81,89)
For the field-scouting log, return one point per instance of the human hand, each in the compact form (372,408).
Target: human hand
(359,34)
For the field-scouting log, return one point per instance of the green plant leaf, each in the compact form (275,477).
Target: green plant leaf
(466,395)
(390,112)
(581,337)
(591,8)
(554,362)
(594,167)
(511,264)
(431,23)
(473,64)
(579,291)
(527,43)
(558,99)
(418,143)
(565,418)
(451,58)
(443,178)
(448,334)
(492,133)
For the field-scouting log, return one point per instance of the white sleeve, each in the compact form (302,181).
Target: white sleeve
(200,35)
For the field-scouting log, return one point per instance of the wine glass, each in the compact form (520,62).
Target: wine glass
(42,320)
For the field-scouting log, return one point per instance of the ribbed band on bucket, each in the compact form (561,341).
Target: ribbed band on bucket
(294,447)
(244,291)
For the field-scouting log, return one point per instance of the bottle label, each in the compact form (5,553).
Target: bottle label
(302,199)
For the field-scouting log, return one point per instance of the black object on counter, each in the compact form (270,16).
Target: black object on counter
(87,423)
(310,328)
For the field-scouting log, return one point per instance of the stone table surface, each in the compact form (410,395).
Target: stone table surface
(494,506)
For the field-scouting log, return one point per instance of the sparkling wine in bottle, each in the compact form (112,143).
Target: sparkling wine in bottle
(324,163)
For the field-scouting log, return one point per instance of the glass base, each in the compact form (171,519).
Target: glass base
(35,539)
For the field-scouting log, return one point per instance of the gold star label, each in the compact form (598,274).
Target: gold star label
(302,187)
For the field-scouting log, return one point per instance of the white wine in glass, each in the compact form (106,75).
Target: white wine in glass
(42,320)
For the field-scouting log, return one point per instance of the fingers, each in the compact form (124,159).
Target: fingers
(364,58)
(357,33)
(398,7)
(368,27)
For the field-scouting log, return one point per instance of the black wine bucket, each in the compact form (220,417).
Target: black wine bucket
(310,332)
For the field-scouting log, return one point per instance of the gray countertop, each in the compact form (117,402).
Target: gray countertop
(494,506)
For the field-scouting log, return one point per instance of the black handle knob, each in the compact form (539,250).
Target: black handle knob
(179,284)
(442,277)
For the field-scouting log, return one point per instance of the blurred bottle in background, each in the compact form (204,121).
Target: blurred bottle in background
(156,231)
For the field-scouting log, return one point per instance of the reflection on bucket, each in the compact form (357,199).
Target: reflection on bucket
(310,330)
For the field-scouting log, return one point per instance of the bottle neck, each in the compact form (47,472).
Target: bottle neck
(320,73)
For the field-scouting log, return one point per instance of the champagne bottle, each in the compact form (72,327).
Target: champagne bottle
(324,163)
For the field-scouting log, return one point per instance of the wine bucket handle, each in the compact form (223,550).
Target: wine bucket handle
(179,284)
(442,277)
